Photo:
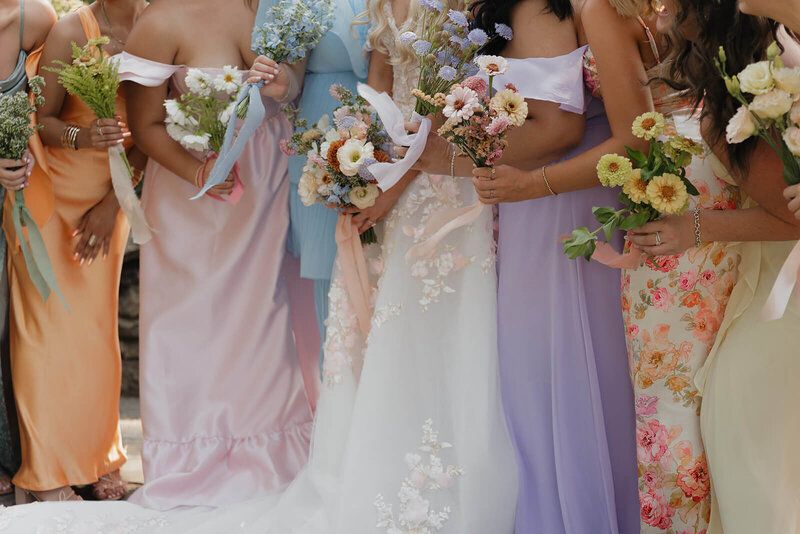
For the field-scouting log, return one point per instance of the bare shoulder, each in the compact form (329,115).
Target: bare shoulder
(67,29)
(154,35)
(600,14)
(39,19)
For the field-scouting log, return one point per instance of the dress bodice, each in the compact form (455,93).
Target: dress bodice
(406,74)
(18,80)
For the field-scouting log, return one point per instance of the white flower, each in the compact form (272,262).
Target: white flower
(461,104)
(788,79)
(324,123)
(792,139)
(416,511)
(331,136)
(772,105)
(353,154)
(307,189)
(227,113)
(196,142)
(175,113)
(756,78)
(741,127)
(364,197)
(794,113)
(511,105)
(198,82)
(229,81)
(176,131)
(492,65)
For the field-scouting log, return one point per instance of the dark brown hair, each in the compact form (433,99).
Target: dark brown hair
(491,12)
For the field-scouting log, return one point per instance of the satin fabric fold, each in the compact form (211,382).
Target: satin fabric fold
(354,270)
(785,284)
(440,225)
(121,176)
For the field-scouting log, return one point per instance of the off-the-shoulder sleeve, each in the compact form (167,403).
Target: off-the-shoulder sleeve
(557,79)
(144,71)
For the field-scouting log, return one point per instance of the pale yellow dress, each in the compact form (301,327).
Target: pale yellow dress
(751,394)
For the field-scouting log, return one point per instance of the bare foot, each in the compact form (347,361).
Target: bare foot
(110,487)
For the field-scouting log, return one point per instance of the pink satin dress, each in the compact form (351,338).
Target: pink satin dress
(226,413)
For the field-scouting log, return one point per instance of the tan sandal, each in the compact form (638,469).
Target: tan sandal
(62,494)
(110,487)
(6,487)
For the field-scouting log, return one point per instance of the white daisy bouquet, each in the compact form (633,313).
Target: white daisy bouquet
(446,47)
(657,186)
(769,94)
(477,122)
(338,155)
(93,77)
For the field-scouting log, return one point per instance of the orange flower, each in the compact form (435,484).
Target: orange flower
(382,157)
(333,161)
(694,479)
(677,383)
(690,300)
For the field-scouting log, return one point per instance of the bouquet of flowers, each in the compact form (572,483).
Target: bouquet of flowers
(92,77)
(338,155)
(658,186)
(478,122)
(771,111)
(446,48)
(15,132)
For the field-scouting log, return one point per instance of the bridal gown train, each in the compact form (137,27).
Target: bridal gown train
(409,432)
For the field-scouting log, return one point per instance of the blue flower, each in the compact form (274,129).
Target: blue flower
(460,41)
(441,58)
(458,18)
(478,37)
(472,70)
(447,73)
(340,190)
(504,31)
(346,122)
(435,5)
(421,47)
(333,199)
(408,37)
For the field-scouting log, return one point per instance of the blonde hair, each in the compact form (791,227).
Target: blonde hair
(633,8)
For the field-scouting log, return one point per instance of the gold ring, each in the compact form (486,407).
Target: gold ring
(92,240)
(493,173)
(100,131)
(491,193)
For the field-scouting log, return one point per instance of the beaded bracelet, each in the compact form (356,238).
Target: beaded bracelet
(697,240)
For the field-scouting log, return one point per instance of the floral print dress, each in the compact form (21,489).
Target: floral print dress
(673,307)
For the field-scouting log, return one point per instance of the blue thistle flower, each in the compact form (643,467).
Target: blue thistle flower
(460,41)
(447,73)
(458,18)
(421,47)
(504,31)
(478,37)
(408,37)
(363,171)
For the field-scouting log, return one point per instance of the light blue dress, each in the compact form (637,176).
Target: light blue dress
(338,59)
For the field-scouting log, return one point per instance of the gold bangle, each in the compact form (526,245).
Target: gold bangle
(200,169)
(453,161)
(69,136)
(546,183)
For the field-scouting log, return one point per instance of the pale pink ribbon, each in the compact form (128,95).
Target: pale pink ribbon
(783,288)
(238,186)
(353,266)
(440,225)
(605,254)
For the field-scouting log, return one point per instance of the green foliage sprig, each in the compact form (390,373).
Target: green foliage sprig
(15,119)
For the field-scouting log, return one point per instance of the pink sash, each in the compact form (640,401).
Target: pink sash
(353,265)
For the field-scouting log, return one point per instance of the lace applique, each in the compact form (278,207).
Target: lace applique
(415,514)
(384,313)
(433,272)
(343,338)
(9,515)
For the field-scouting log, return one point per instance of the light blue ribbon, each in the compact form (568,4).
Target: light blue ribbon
(230,150)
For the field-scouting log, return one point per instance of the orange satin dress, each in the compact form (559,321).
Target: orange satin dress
(66,365)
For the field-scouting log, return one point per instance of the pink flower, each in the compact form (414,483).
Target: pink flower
(334,90)
(662,299)
(497,126)
(512,87)
(706,325)
(646,405)
(652,479)
(707,278)
(652,441)
(633,330)
(687,280)
(286,149)
(494,156)
(655,511)
(478,85)
(664,264)
(694,479)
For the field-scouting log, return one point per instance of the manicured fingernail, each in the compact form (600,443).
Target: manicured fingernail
(75,257)
(626,238)
(119,141)
(83,260)
(90,261)
(74,233)
(105,255)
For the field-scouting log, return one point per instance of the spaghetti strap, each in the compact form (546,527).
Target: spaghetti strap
(650,39)
(21,21)
(90,26)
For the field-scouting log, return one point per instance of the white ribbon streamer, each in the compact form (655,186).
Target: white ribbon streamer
(128,201)
(388,174)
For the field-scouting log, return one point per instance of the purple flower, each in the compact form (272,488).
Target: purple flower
(421,47)
(441,58)
(435,5)
(478,37)
(472,70)
(458,18)
(346,122)
(460,41)
(504,31)
(363,171)
(447,73)
(408,37)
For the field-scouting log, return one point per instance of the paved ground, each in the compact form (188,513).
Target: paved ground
(131,427)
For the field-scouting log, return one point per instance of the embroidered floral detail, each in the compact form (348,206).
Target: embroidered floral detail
(384,313)
(415,514)
(343,338)
(434,271)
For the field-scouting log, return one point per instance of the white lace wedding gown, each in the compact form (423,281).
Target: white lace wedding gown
(418,442)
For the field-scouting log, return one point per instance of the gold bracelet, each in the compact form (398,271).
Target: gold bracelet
(453,161)
(546,183)
(69,136)
(197,174)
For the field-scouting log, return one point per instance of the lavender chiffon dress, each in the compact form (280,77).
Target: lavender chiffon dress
(566,389)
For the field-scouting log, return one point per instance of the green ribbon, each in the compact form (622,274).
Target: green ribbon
(33,249)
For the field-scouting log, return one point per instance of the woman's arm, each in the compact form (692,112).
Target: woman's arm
(39,19)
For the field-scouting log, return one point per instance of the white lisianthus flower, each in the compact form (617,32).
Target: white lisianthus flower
(196,142)
(788,79)
(307,190)
(756,78)
(492,65)
(461,104)
(792,139)
(741,127)
(324,123)
(198,82)
(229,81)
(511,105)
(772,105)
(353,154)
(364,197)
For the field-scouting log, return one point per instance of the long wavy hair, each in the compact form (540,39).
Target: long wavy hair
(491,12)
(745,39)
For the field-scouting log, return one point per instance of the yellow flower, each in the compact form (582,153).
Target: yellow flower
(614,170)
(636,188)
(311,135)
(680,150)
(510,104)
(667,194)
(649,126)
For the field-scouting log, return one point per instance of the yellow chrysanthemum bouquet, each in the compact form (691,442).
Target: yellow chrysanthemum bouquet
(653,184)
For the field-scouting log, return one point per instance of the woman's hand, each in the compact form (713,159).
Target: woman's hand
(105,133)
(96,229)
(275,78)
(792,194)
(675,233)
(504,184)
(14,180)
(435,159)
(367,218)
(223,189)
